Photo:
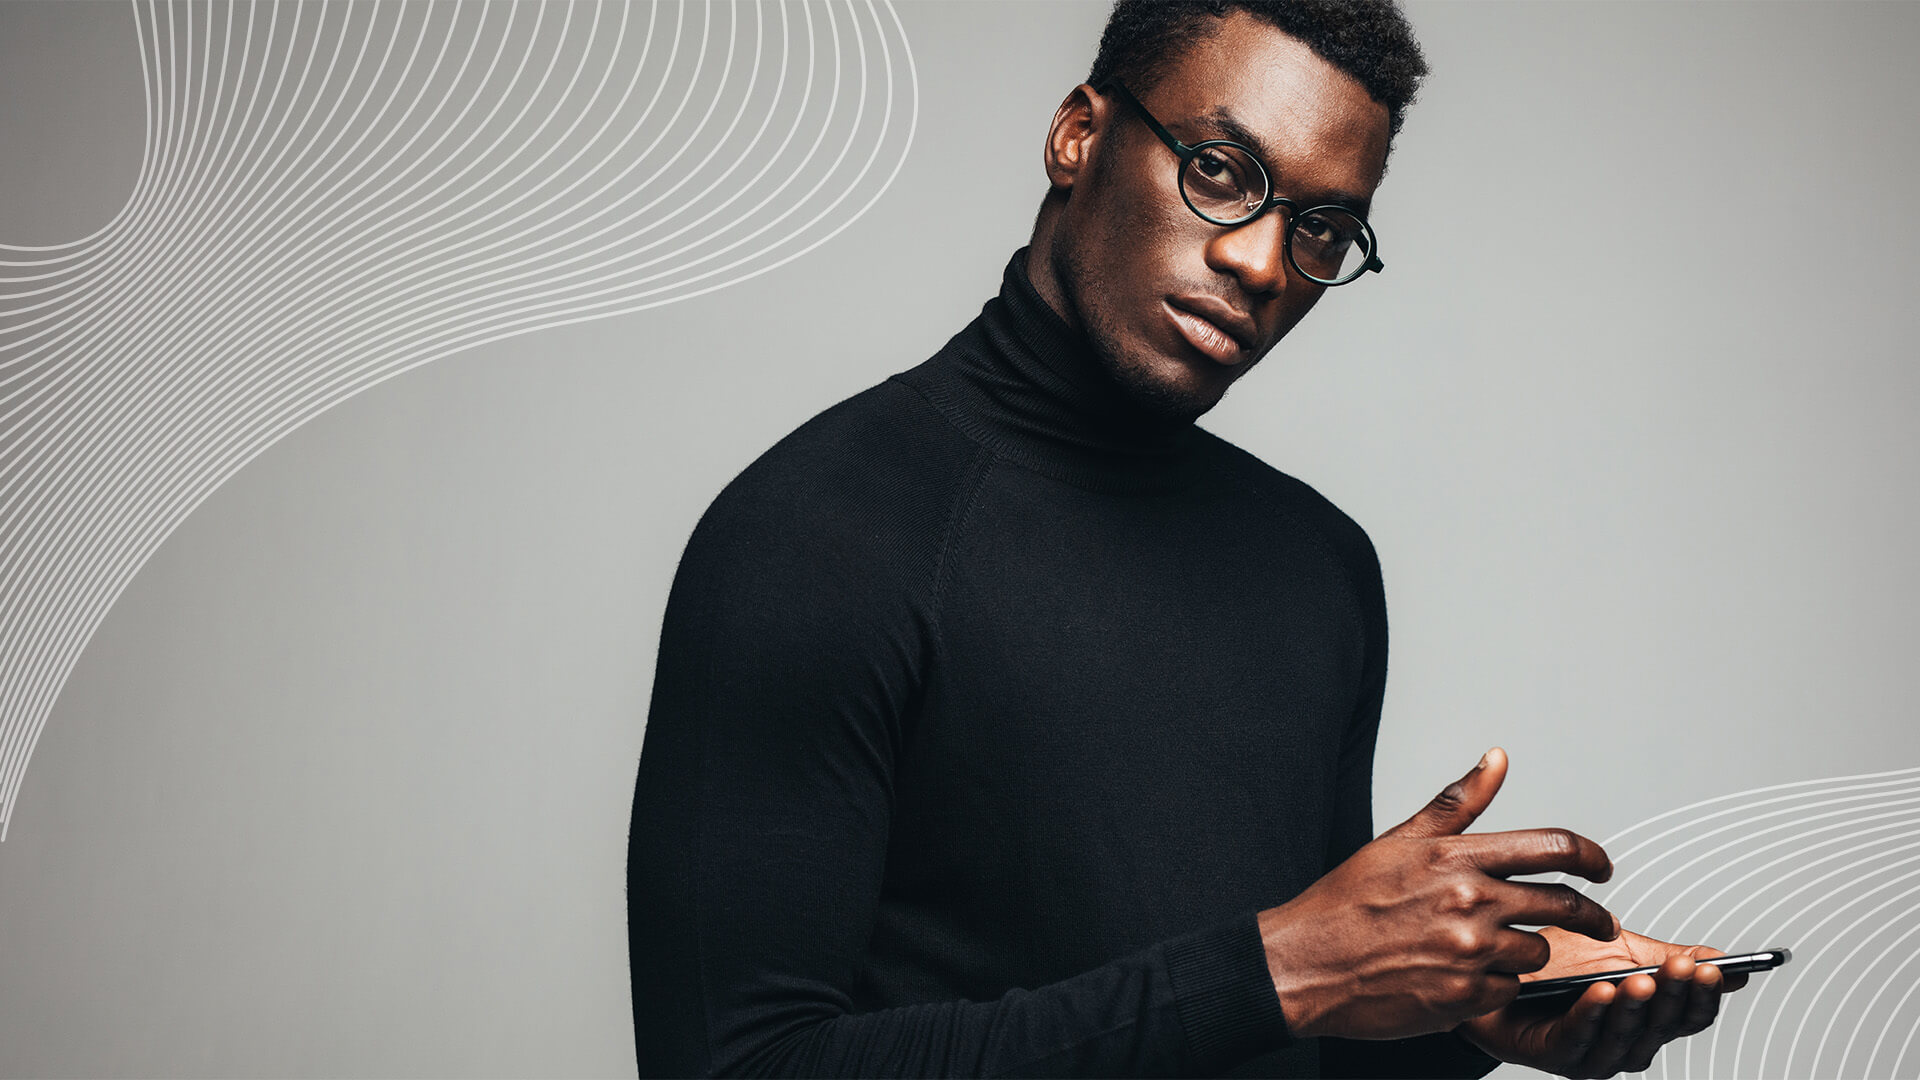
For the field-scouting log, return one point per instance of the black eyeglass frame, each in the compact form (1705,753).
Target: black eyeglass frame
(1294,212)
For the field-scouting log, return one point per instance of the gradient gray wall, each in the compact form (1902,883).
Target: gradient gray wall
(339,783)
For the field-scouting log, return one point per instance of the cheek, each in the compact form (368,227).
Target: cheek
(1140,227)
(1134,239)
(1147,250)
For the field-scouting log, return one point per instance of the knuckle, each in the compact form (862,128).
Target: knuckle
(1451,799)
(1464,939)
(1462,896)
(1458,990)
(1559,843)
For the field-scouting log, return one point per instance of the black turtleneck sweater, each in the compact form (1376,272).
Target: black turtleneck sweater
(988,714)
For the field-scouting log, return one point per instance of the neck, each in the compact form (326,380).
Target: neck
(1039,264)
(1023,380)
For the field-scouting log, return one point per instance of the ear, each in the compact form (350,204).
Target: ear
(1075,135)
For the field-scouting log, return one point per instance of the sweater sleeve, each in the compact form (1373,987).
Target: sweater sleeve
(1442,1054)
(792,647)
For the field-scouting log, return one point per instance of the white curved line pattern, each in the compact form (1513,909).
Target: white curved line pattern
(1824,867)
(333,193)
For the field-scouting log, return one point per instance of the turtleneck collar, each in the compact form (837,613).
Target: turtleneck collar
(1021,381)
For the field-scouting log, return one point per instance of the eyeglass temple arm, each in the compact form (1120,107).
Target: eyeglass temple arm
(1120,90)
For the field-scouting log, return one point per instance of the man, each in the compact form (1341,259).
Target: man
(1008,723)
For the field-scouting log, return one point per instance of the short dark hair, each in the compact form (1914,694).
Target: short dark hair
(1370,40)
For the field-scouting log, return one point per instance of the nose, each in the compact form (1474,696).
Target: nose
(1254,253)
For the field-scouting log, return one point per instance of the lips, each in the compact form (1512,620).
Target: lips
(1211,327)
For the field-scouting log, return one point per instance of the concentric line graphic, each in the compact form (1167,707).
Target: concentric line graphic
(1828,868)
(332,193)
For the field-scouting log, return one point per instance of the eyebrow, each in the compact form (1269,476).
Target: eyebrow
(1222,120)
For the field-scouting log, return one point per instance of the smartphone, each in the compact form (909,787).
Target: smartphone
(1764,960)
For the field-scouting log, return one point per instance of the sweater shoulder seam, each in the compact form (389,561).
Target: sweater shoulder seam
(979,467)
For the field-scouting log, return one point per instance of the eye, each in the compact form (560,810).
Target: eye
(1218,173)
(1324,233)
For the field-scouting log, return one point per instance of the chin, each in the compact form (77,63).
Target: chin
(1175,391)
(1163,393)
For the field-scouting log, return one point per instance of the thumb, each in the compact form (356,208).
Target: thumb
(1461,802)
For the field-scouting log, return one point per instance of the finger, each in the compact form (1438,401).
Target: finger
(1626,1017)
(1703,1004)
(1664,1012)
(1460,802)
(1516,951)
(1728,982)
(1534,851)
(1585,1020)
(1497,991)
(1538,904)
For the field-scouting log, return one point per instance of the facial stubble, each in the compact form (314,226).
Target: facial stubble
(1170,405)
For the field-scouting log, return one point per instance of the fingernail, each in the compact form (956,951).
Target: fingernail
(1483,761)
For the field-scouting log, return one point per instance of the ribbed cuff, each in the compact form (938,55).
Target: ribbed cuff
(1224,994)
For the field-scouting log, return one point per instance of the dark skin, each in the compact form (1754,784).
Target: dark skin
(1415,932)
(1114,243)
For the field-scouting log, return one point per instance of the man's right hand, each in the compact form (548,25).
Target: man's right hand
(1411,934)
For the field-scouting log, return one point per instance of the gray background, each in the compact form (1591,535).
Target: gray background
(341,785)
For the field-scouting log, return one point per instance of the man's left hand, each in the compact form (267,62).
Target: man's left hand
(1610,1028)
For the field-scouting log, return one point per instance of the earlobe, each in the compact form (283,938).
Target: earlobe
(1072,137)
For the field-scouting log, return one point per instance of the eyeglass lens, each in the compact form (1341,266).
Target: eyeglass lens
(1226,186)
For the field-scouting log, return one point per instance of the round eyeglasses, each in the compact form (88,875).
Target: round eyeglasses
(1224,183)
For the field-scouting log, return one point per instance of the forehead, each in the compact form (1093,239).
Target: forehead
(1318,123)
